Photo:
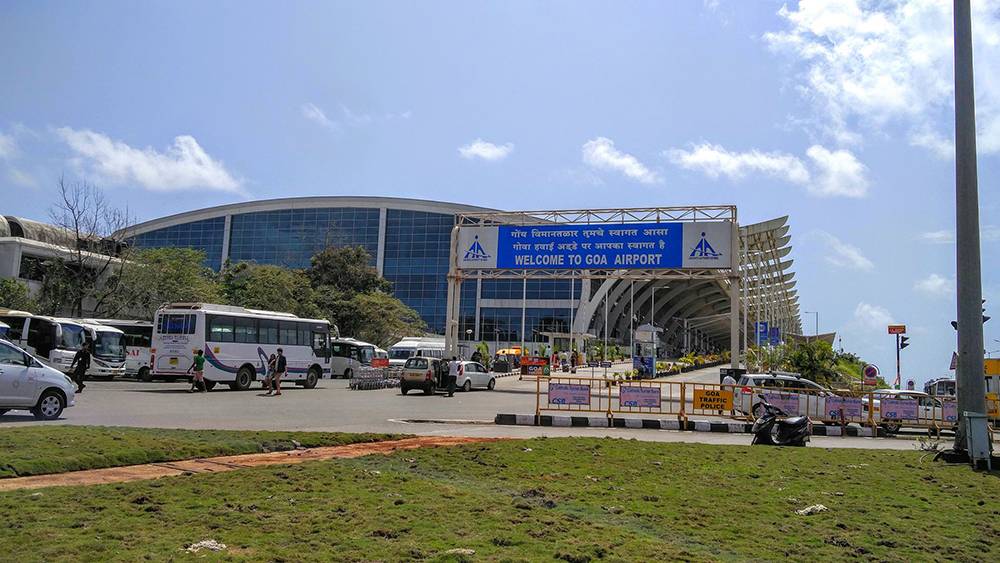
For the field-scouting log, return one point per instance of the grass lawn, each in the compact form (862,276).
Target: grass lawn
(34,450)
(570,499)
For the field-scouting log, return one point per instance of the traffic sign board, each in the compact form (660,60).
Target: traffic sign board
(870,373)
(897,329)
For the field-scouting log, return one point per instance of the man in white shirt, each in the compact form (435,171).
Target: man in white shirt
(454,370)
(728,384)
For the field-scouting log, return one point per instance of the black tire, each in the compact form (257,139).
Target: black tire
(3,411)
(145,374)
(312,377)
(467,386)
(244,378)
(757,410)
(50,405)
(209,385)
(404,390)
(348,373)
(891,427)
(492,384)
(429,390)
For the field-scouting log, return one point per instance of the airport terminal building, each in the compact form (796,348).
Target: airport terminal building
(409,242)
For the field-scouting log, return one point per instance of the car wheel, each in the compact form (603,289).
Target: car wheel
(145,374)
(311,378)
(209,385)
(244,377)
(348,373)
(891,427)
(467,386)
(50,406)
(404,390)
(429,390)
(491,384)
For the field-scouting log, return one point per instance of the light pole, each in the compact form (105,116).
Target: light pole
(968,266)
(817,320)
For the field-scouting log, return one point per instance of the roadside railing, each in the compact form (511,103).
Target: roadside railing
(617,398)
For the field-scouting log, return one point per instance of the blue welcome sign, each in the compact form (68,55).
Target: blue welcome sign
(648,246)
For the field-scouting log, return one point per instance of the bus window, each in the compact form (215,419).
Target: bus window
(220,329)
(16,325)
(366,353)
(177,324)
(319,343)
(340,350)
(245,330)
(72,337)
(288,335)
(268,330)
(305,334)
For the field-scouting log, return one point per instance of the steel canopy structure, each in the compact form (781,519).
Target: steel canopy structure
(693,309)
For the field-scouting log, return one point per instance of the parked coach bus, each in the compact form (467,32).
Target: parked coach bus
(237,344)
(138,338)
(349,355)
(55,341)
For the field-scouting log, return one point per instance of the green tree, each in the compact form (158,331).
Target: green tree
(166,275)
(272,288)
(815,360)
(14,294)
(346,270)
(374,317)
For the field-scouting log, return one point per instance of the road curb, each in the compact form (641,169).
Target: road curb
(666,424)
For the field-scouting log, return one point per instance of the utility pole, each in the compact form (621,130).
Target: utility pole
(898,372)
(969,373)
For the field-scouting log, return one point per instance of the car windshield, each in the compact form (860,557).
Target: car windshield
(110,345)
(400,353)
(72,337)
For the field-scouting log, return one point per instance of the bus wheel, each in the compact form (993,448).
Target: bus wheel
(145,374)
(244,377)
(311,378)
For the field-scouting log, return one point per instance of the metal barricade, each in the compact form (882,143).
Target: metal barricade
(367,378)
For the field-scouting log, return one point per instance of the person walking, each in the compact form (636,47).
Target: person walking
(80,365)
(271,366)
(454,370)
(198,365)
(728,384)
(280,367)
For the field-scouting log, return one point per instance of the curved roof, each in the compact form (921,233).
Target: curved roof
(35,230)
(306,203)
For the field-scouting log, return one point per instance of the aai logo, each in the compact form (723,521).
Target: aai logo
(704,251)
(475,253)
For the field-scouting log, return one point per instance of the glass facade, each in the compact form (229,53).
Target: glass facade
(417,244)
(504,324)
(290,237)
(205,235)
(537,289)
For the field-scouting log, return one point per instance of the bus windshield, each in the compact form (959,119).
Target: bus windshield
(400,353)
(72,337)
(110,345)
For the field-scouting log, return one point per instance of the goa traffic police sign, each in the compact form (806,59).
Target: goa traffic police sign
(649,246)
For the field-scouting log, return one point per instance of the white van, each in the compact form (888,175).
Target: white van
(27,384)
(55,341)
(424,346)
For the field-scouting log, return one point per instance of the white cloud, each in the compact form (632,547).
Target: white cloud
(833,173)
(935,285)
(714,161)
(8,148)
(987,233)
(872,317)
(313,113)
(21,178)
(844,255)
(184,165)
(838,173)
(600,153)
(485,150)
(868,64)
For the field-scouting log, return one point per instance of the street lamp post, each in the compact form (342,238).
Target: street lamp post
(816,333)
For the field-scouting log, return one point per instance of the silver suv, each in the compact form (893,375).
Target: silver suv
(790,392)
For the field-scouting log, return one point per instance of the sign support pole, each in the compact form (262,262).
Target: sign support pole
(734,297)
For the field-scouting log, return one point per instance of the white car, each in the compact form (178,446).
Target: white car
(928,409)
(793,394)
(475,375)
(27,384)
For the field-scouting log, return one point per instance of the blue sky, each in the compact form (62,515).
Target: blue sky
(837,114)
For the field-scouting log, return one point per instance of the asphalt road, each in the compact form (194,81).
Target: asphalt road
(331,406)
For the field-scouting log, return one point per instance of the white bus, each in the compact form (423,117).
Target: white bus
(138,339)
(55,341)
(349,355)
(237,344)
(425,346)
